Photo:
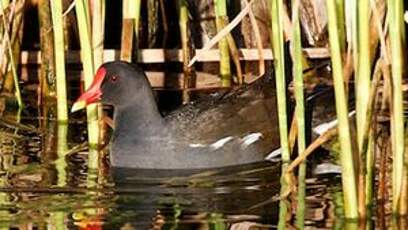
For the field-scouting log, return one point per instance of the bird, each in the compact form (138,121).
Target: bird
(236,127)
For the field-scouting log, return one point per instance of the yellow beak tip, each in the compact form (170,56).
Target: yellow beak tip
(78,106)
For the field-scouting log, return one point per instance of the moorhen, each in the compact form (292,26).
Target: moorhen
(235,128)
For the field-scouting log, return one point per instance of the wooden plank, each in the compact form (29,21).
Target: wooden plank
(158,80)
(171,55)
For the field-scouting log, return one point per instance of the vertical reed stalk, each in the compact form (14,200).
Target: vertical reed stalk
(354,33)
(394,14)
(59,54)
(404,187)
(363,68)
(362,86)
(127,30)
(347,161)
(297,56)
(341,25)
(88,70)
(98,32)
(46,77)
(152,22)
(62,147)
(135,8)
(183,24)
(220,21)
(279,64)
(257,36)
(235,57)
(130,29)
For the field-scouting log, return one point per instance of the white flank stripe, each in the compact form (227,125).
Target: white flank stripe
(221,142)
(250,139)
(197,145)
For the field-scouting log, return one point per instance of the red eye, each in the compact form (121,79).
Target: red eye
(114,78)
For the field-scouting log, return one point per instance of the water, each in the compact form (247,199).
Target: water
(43,187)
(44,184)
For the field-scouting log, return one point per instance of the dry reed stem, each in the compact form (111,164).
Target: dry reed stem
(258,39)
(3,45)
(293,133)
(326,136)
(127,39)
(164,23)
(222,33)
(235,58)
(8,84)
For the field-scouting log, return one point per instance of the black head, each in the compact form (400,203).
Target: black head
(115,83)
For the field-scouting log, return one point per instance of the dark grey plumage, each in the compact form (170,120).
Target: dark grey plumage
(234,128)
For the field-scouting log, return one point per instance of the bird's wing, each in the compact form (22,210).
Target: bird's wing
(246,116)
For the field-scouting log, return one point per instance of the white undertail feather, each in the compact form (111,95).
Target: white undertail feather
(320,129)
(245,141)
(221,142)
(273,155)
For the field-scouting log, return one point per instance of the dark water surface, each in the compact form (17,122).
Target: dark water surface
(44,184)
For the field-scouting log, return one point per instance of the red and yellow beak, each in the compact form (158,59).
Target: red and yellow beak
(93,94)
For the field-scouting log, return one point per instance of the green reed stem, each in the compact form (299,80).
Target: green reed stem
(347,161)
(58,220)
(364,68)
(221,18)
(59,54)
(88,70)
(98,32)
(279,64)
(62,148)
(136,7)
(341,24)
(394,11)
(404,187)
(354,34)
(368,144)
(12,64)
(362,87)
(297,56)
